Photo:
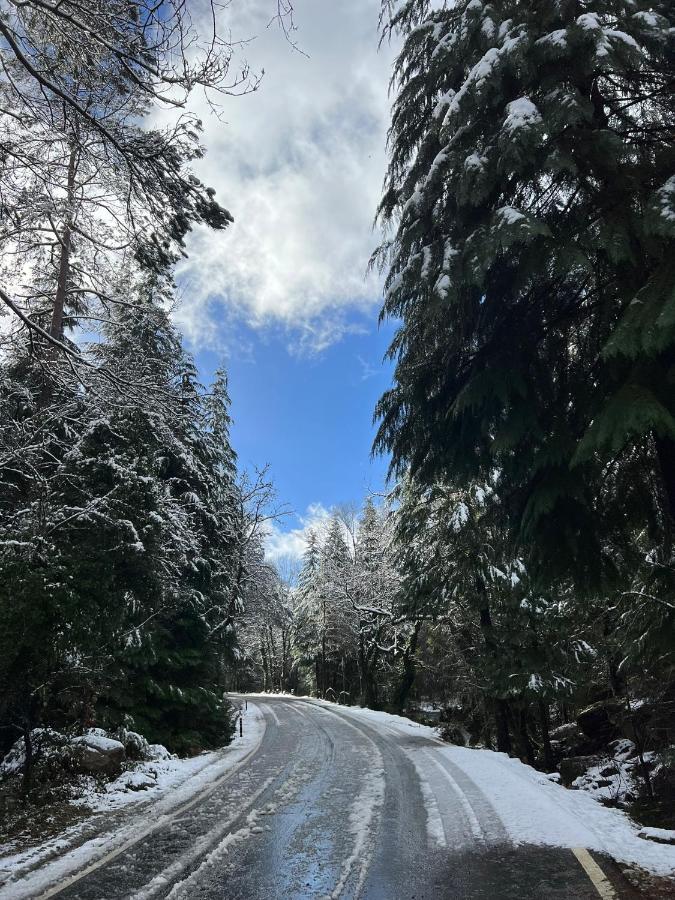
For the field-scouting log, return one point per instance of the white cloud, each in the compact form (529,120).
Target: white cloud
(290,545)
(300,165)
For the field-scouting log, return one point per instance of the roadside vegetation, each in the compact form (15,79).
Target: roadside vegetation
(516,584)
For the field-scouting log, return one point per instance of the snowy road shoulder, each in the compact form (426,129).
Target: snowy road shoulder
(121,817)
(533,809)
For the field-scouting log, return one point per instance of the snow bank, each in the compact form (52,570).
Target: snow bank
(532,808)
(133,805)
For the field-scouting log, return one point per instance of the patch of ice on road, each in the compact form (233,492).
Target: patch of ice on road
(364,813)
(268,709)
(224,838)
(215,845)
(361,824)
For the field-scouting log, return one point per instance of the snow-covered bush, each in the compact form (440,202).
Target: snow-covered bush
(47,743)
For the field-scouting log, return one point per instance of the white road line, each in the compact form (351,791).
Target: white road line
(600,881)
(158,823)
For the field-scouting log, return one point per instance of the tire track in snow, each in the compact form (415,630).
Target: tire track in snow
(484,823)
(266,708)
(163,879)
(288,783)
(468,809)
(363,812)
(435,828)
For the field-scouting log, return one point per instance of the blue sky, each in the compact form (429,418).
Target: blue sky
(309,417)
(282,296)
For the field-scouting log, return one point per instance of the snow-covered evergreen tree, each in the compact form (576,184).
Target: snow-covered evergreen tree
(530,195)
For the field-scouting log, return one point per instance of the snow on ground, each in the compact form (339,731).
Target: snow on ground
(535,810)
(146,797)
(662,835)
(532,808)
(616,777)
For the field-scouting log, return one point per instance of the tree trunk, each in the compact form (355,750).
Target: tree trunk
(27,776)
(665,453)
(370,697)
(549,762)
(501,706)
(56,326)
(408,675)
(524,743)
(323,666)
(501,711)
(640,747)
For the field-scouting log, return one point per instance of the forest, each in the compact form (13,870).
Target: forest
(517,576)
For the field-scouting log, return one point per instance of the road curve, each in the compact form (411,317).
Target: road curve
(333,806)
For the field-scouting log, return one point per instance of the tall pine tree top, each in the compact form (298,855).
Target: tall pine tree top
(530,197)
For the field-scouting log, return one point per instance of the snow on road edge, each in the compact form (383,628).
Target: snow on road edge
(27,874)
(532,808)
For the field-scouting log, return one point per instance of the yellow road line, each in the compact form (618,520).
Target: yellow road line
(600,881)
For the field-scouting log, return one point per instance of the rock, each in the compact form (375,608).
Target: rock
(659,835)
(603,782)
(564,733)
(575,766)
(663,779)
(601,721)
(454,733)
(569,740)
(135,745)
(94,754)
(134,781)
(158,752)
(623,749)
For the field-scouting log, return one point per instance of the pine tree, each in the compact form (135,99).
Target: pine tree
(170,675)
(530,191)
(381,633)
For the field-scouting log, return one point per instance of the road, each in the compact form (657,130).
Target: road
(334,806)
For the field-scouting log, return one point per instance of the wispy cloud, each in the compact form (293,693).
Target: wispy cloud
(300,165)
(290,545)
(368,370)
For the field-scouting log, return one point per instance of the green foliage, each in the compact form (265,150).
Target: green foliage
(530,196)
(530,214)
(118,534)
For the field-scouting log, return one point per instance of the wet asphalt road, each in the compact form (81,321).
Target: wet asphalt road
(331,806)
